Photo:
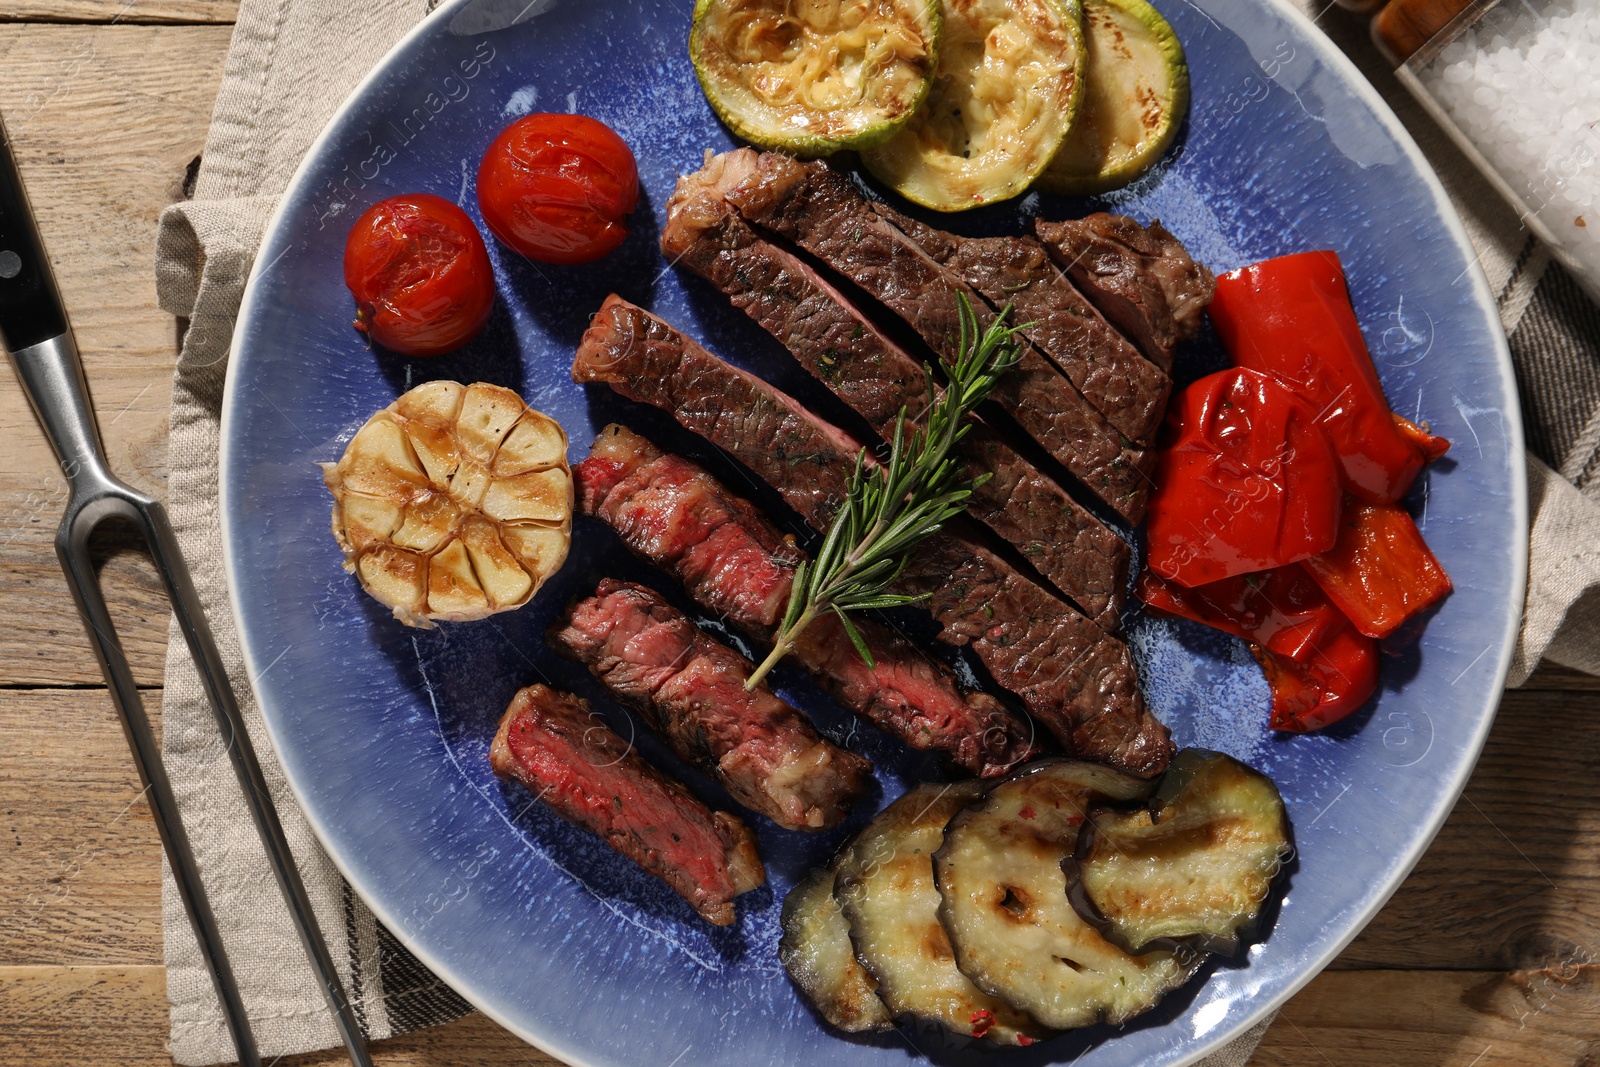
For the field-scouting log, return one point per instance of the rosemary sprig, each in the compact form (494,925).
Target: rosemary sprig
(890,507)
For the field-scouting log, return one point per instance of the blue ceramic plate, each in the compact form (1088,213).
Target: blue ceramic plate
(383,731)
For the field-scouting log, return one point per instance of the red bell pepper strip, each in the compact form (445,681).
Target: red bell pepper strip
(1430,446)
(1282,609)
(1248,483)
(1291,317)
(1338,678)
(1380,572)
(1320,669)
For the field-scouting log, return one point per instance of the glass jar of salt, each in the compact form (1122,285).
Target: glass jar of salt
(1516,84)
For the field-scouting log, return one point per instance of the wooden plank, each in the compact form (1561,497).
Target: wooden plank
(130,12)
(1544,1018)
(1554,676)
(117,1017)
(81,878)
(1511,882)
(104,120)
(94,1016)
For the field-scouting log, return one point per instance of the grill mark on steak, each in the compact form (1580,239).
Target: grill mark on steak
(1140,277)
(877,378)
(569,758)
(1129,390)
(823,212)
(734,562)
(1067,671)
(691,689)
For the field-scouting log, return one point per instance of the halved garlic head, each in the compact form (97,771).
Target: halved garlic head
(453,503)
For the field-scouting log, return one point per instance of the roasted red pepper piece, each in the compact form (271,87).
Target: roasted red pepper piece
(1380,572)
(1282,609)
(1291,317)
(1338,677)
(1430,446)
(1320,669)
(1248,483)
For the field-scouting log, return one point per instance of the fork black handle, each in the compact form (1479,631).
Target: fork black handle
(36,334)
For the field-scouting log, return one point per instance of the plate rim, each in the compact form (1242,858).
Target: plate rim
(1332,56)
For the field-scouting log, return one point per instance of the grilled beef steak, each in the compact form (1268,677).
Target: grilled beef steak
(691,690)
(567,757)
(1124,386)
(736,563)
(807,460)
(1140,277)
(821,210)
(1068,671)
(879,379)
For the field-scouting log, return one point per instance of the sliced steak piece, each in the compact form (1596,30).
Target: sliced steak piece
(1066,669)
(822,211)
(878,378)
(735,563)
(566,756)
(646,360)
(1140,277)
(1129,390)
(691,690)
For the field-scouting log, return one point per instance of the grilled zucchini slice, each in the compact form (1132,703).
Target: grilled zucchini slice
(1194,865)
(1005,905)
(815,949)
(1004,95)
(812,77)
(885,887)
(1135,95)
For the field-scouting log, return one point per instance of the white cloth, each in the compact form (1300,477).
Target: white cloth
(288,67)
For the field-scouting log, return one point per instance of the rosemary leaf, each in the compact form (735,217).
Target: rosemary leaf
(891,507)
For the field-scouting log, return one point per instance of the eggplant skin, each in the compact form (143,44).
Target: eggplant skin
(1005,906)
(1192,867)
(886,889)
(815,949)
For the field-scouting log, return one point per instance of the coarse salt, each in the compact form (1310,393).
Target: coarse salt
(1523,89)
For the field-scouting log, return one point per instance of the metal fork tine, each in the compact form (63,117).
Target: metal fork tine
(73,550)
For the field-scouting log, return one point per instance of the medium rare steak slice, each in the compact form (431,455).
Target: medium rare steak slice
(1066,669)
(1129,390)
(878,378)
(691,690)
(735,563)
(567,757)
(822,211)
(1140,277)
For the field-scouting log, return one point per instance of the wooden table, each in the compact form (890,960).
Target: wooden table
(1489,953)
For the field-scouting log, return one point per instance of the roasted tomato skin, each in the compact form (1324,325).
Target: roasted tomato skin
(556,188)
(420,274)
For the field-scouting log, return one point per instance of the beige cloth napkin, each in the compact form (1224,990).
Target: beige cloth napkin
(289,66)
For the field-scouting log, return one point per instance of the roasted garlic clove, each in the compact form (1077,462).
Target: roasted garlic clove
(453,503)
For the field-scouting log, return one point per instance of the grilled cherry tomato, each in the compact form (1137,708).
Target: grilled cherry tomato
(1380,572)
(420,275)
(1248,483)
(556,188)
(1291,318)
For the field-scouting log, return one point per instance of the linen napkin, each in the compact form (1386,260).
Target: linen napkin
(290,64)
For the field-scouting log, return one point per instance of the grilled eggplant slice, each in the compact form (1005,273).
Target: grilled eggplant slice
(1005,902)
(810,77)
(816,951)
(1194,866)
(886,890)
(1004,96)
(1135,95)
